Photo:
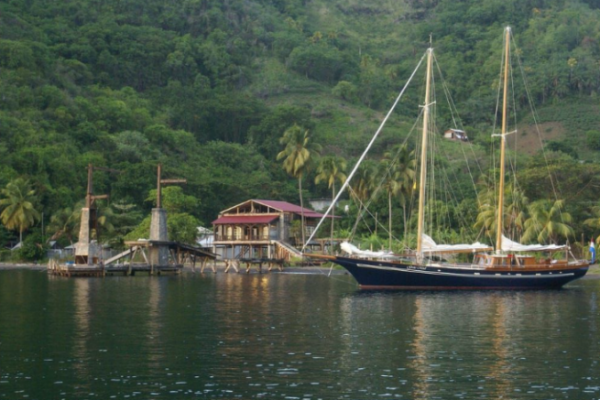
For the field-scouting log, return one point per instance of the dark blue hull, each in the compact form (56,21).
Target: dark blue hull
(397,275)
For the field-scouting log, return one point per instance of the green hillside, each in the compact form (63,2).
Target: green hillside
(207,88)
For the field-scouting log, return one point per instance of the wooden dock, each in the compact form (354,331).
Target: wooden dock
(253,262)
(100,270)
(125,263)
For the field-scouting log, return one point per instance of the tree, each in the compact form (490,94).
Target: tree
(406,173)
(318,61)
(330,170)
(487,215)
(515,211)
(345,90)
(547,222)
(592,139)
(363,185)
(391,185)
(297,155)
(125,217)
(594,222)
(398,171)
(65,223)
(19,211)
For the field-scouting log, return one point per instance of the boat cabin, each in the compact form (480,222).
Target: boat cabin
(516,260)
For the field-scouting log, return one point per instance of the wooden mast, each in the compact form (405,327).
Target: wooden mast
(500,220)
(423,176)
(160,182)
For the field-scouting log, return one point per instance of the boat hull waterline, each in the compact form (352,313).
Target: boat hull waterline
(374,274)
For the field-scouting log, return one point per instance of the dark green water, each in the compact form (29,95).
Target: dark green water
(281,336)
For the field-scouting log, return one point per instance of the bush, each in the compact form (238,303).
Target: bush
(33,248)
(592,138)
(345,90)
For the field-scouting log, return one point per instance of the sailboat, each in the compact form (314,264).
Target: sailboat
(510,266)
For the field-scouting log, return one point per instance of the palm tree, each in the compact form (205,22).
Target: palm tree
(594,222)
(19,212)
(399,170)
(515,211)
(487,212)
(547,222)
(104,217)
(331,169)
(65,223)
(297,155)
(391,185)
(362,187)
(405,174)
(364,183)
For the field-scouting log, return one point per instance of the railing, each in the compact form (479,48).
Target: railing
(240,237)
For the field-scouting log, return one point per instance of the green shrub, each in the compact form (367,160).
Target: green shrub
(592,138)
(34,249)
(345,90)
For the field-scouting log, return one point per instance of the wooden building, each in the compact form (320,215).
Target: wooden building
(456,134)
(261,229)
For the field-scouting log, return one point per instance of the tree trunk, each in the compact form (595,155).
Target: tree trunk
(405,228)
(302,209)
(390,221)
(332,211)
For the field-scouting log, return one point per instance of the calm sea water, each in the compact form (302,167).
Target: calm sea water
(283,336)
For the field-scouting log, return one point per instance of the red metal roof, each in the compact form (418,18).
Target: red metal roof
(289,207)
(244,219)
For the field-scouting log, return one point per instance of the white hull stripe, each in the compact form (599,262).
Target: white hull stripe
(504,276)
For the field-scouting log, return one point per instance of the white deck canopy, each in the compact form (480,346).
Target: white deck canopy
(430,246)
(355,251)
(509,245)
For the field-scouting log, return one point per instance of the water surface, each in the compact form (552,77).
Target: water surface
(283,336)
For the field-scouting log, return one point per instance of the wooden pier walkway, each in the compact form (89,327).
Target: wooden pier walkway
(125,264)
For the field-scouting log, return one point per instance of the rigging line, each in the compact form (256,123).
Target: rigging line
(453,110)
(455,175)
(364,153)
(534,115)
(495,124)
(514,105)
(555,187)
(374,196)
(514,156)
(378,188)
(450,190)
(358,220)
(431,168)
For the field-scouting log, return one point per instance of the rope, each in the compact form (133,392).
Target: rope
(364,153)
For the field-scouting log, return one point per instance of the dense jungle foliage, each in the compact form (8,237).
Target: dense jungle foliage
(208,88)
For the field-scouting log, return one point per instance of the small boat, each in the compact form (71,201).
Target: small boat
(511,266)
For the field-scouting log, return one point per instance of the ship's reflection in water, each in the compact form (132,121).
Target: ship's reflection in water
(291,337)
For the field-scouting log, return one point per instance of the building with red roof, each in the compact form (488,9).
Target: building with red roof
(261,228)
